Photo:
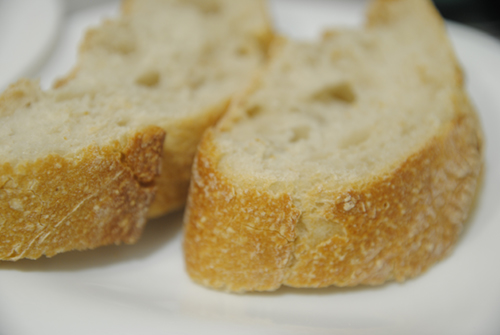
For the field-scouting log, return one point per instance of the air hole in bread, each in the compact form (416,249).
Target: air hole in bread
(337,92)
(254,111)
(242,51)
(355,138)
(122,123)
(300,133)
(149,78)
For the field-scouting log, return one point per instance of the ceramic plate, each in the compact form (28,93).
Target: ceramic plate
(28,30)
(143,289)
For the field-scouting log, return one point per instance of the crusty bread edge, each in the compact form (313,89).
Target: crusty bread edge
(396,226)
(173,182)
(175,175)
(95,196)
(226,249)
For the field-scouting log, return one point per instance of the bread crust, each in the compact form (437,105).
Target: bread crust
(94,197)
(36,220)
(184,134)
(235,239)
(178,156)
(399,224)
(391,227)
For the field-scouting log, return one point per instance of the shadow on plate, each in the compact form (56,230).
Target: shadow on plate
(156,235)
(330,290)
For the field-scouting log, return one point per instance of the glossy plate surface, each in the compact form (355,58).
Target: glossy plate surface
(143,289)
(28,31)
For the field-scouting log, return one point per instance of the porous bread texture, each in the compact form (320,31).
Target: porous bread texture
(351,161)
(180,61)
(78,162)
(72,177)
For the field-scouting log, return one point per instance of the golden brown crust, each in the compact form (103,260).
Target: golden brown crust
(398,225)
(95,197)
(178,156)
(235,240)
(393,227)
(143,154)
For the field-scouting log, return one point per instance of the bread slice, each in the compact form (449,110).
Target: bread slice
(351,161)
(71,176)
(78,163)
(182,60)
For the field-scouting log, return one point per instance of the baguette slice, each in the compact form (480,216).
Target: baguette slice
(350,161)
(182,60)
(78,163)
(72,177)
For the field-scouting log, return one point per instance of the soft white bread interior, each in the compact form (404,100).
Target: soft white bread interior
(351,161)
(78,163)
(181,61)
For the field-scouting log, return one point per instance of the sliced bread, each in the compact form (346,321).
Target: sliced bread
(78,162)
(71,176)
(181,60)
(350,161)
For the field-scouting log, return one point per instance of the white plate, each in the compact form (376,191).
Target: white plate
(143,289)
(28,29)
